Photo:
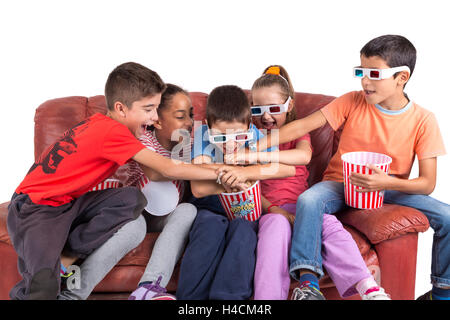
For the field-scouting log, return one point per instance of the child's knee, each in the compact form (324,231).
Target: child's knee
(133,196)
(332,226)
(186,212)
(136,231)
(274,221)
(210,224)
(244,228)
(43,285)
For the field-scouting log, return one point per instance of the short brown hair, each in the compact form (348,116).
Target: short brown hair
(130,82)
(228,103)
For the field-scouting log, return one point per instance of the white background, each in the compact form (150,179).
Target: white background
(53,49)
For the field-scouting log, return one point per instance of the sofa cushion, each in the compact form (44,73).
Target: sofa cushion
(388,222)
(4,236)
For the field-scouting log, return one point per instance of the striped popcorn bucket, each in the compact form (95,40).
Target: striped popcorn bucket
(107,184)
(357,162)
(243,204)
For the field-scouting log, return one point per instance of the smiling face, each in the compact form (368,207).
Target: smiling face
(177,115)
(268,96)
(388,93)
(225,127)
(141,114)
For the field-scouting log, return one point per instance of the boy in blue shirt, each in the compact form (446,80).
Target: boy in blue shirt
(219,260)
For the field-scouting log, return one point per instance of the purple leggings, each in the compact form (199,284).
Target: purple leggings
(341,257)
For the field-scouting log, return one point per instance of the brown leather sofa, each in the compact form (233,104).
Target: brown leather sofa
(387,237)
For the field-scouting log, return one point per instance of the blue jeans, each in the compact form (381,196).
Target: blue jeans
(328,197)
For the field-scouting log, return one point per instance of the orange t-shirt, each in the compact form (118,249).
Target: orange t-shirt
(86,155)
(400,134)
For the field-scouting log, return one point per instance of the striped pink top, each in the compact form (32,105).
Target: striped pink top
(134,174)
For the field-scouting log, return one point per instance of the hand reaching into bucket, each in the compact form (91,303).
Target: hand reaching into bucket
(376,180)
(233,176)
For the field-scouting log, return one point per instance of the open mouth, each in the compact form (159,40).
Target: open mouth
(268,125)
(368,92)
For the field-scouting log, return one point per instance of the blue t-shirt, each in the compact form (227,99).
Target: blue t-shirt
(202,146)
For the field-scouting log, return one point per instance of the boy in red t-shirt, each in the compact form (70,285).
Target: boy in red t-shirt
(52,209)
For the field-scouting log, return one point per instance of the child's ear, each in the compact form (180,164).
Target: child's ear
(157,124)
(403,77)
(291,105)
(119,107)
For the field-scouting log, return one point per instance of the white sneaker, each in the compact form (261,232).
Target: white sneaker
(376,295)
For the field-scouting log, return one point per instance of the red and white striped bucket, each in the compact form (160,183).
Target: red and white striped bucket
(244,204)
(357,162)
(107,184)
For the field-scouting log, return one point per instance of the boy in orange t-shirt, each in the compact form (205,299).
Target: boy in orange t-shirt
(380,118)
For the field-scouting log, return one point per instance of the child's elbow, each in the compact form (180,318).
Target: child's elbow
(429,189)
(197,191)
(308,158)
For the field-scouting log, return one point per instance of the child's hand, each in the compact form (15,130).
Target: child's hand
(233,176)
(378,180)
(286,214)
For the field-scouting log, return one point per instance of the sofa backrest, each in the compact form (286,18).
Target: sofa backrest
(55,116)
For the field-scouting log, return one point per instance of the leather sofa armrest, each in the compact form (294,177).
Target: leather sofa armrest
(4,236)
(388,222)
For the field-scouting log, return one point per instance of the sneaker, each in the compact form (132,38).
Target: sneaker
(376,294)
(306,292)
(425,296)
(151,291)
(163,296)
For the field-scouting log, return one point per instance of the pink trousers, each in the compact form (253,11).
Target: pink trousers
(340,255)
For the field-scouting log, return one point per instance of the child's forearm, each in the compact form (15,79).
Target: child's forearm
(205,188)
(293,157)
(173,169)
(153,175)
(293,130)
(269,171)
(420,185)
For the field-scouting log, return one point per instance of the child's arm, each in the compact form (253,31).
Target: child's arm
(156,176)
(203,188)
(275,209)
(299,156)
(424,184)
(293,130)
(234,175)
(173,169)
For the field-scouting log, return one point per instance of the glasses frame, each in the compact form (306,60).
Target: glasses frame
(231,136)
(383,73)
(266,108)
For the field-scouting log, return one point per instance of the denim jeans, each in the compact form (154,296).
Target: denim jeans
(328,197)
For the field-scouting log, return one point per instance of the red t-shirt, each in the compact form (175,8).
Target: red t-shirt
(287,190)
(86,155)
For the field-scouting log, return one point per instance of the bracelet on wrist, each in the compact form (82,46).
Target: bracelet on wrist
(272,205)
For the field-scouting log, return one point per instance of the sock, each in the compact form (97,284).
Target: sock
(310,280)
(440,294)
(63,270)
(366,286)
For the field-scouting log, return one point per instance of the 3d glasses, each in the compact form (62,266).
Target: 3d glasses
(237,137)
(377,74)
(271,109)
